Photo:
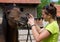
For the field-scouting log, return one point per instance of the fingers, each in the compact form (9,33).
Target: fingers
(31,19)
(31,16)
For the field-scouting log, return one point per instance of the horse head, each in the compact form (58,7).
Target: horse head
(13,16)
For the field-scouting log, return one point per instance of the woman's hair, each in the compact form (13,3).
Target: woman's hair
(51,9)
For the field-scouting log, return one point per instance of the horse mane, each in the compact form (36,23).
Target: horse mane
(4,22)
(5,26)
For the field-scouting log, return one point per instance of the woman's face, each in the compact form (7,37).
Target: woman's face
(45,16)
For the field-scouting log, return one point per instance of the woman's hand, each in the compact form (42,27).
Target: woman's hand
(31,20)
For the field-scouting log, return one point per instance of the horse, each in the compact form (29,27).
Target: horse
(10,30)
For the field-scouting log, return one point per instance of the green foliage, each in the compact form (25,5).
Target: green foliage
(40,6)
(59,2)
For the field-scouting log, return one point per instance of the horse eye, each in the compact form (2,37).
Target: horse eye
(8,12)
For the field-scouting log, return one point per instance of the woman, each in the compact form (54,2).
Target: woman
(51,31)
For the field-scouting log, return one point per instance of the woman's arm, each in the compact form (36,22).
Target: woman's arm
(39,37)
(39,30)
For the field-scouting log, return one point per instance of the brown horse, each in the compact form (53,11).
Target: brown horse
(10,25)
